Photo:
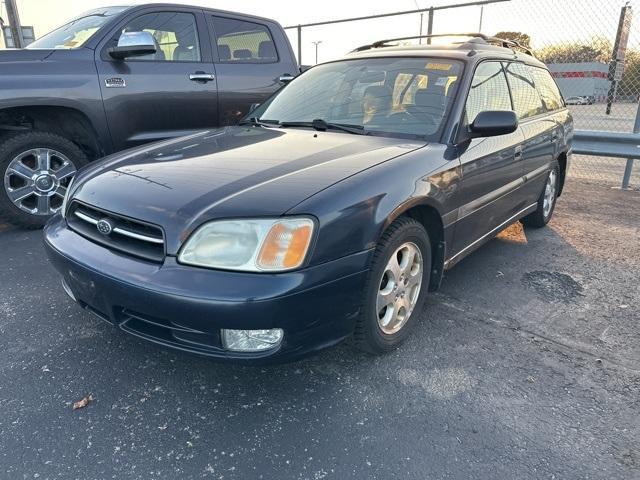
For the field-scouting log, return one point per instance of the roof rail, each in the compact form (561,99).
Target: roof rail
(501,42)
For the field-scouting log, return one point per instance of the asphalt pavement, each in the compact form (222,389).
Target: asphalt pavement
(525,365)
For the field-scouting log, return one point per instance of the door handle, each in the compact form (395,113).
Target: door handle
(286,78)
(201,77)
(518,152)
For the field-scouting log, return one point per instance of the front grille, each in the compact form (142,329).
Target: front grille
(119,233)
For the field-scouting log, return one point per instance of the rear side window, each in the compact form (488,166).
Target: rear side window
(240,41)
(526,99)
(489,90)
(547,88)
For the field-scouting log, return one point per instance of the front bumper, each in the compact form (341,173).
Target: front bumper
(186,307)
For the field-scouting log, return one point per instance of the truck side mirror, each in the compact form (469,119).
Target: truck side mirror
(133,44)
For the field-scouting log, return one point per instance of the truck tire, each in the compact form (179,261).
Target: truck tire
(36,169)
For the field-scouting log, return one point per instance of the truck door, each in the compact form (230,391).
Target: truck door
(163,95)
(253,60)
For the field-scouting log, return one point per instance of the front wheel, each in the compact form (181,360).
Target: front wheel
(396,287)
(36,168)
(546,202)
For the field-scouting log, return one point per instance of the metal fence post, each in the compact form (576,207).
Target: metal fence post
(629,167)
(430,25)
(299,28)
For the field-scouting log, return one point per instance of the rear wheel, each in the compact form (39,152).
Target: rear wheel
(36,168)
(546,202)
(396,287)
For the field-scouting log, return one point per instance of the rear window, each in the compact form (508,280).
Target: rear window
(547,88)
(241,41)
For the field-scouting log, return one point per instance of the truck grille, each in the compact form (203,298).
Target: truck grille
(117,232)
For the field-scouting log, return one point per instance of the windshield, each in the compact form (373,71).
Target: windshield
(384,96)
(76,33)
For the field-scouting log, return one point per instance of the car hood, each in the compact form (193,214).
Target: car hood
(231,172)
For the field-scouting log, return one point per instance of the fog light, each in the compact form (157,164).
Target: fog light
(251,340)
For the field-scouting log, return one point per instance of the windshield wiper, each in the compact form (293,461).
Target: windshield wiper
(259,122)
(322,125)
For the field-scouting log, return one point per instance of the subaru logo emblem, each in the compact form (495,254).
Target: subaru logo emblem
(104,227)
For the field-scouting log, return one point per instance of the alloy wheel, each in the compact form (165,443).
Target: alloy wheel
(36,180)
(549,194)
(399,288)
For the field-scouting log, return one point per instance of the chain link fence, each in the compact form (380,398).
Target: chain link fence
(575,38)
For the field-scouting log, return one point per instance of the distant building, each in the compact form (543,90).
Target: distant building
(582,79)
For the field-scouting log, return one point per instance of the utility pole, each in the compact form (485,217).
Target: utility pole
(481,14)
(316,43)
(14,23)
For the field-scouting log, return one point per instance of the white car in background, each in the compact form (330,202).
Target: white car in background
(576,101)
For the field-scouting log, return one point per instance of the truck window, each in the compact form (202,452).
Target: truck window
(526,99)
(243,42)
(175,34)
(489,91)
(77,32)
(547,88)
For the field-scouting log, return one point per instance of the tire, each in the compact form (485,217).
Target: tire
(398,241)
(40,166)
(541,216)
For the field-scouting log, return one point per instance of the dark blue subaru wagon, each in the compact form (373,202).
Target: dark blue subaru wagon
(329,212)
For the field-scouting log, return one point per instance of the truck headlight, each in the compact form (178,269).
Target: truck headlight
(250,245)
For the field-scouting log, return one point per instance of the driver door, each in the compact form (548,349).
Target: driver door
(163,95)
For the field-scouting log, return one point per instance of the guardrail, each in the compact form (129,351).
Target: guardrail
(609,144)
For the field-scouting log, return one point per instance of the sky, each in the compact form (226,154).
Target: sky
(547,21)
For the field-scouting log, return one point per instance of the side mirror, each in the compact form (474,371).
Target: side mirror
(133,44)
(492,123)
(253,107)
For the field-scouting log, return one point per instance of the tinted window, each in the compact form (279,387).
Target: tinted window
(385,96)
(175,35)
(526,99)
(547,88)
(489,90)
(240,41)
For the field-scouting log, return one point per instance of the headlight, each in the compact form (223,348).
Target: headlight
(63,208)
(250,244)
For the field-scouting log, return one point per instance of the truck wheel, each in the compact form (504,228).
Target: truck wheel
(546,202)
(396,287)
(36,169)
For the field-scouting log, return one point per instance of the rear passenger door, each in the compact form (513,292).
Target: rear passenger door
(250,60)
(538,126)
(491,167)
(156,96)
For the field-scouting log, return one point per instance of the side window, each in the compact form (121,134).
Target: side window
(489,90)
(240,41)
(175,34)
(526,99)
(547,88)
